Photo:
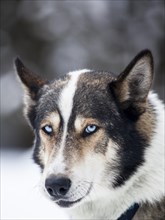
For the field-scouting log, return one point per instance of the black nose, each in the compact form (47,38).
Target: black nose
(57,186)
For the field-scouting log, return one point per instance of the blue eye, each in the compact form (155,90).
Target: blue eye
(90,129)
(48,129)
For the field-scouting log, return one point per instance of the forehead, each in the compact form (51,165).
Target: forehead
(81,92)
(93,96)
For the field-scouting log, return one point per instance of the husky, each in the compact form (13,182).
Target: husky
(99,140)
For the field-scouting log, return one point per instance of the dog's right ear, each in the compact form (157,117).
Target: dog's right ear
(32,83)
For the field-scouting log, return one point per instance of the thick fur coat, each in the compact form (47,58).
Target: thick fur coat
(99,140)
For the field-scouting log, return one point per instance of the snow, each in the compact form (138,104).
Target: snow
(21,197)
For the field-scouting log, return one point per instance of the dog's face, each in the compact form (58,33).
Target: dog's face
(91,128)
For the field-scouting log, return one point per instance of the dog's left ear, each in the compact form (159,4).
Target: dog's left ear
(133,84)
(32,84)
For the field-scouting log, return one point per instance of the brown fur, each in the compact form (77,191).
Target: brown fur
(146,123)
(125,120)
(49,143)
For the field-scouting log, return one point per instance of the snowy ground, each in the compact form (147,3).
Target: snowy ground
(20,196)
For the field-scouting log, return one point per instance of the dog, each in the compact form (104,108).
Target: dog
(99,140)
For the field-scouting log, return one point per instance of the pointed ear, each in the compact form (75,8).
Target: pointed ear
(133,84)
(32,84)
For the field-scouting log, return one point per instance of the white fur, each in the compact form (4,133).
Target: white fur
(103,203)
(146,185)
(66,100)
(65,104)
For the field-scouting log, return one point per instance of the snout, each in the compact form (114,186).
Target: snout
(57,186)
(64,192)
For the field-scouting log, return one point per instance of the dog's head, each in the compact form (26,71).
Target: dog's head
(91,128)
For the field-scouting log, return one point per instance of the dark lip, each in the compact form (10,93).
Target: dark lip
(67,204)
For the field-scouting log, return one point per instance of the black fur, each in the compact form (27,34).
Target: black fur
(100,103)
(99,96)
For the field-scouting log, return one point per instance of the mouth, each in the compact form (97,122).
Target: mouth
(68,204)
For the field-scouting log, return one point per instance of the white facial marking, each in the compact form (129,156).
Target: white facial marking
(65,103)
(67,95)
